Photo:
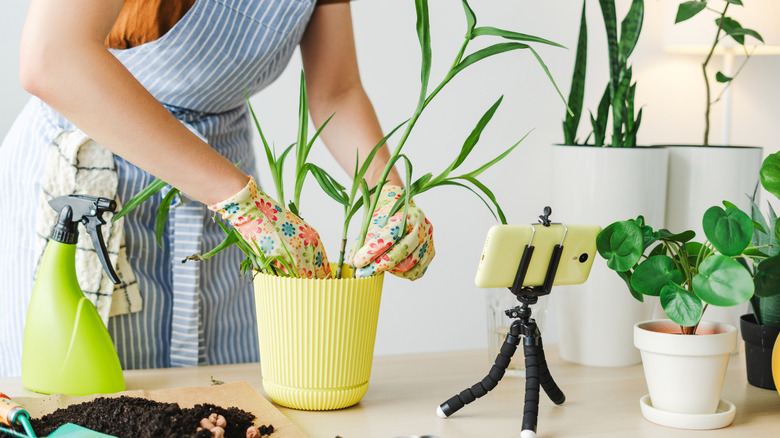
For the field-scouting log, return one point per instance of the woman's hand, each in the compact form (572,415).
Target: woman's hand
(405,253)
(275,231)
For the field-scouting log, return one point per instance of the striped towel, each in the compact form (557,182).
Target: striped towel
(78,165)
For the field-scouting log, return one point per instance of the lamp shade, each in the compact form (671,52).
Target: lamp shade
(696,35)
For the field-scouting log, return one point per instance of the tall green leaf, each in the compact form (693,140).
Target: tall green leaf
(630,29)
(162,215)
(610,25)
(577,91)
(471,20)
(515,36)
(471,140)
(142,196)
(424,36)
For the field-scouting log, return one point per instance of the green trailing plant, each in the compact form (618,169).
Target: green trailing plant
(359,196)
(619,95)
(726,27)
(688,276)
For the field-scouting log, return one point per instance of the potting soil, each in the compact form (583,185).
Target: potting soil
(135,417)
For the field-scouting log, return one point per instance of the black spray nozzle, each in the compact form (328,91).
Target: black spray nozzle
(89,211)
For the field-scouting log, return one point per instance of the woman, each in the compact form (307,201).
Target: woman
(163,88)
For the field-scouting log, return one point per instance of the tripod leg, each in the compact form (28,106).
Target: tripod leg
(536,374)
(546,379)
(490,381)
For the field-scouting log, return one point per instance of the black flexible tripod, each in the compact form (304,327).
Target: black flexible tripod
(537,374)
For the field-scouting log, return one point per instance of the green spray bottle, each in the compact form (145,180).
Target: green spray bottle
(67,348)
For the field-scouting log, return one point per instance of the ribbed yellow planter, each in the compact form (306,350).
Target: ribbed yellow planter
(317,338)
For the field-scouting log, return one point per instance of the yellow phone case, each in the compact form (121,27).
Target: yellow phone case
(504,246)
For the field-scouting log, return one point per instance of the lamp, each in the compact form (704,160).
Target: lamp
(696,35)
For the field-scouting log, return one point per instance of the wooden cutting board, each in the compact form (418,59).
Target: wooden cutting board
(240,394)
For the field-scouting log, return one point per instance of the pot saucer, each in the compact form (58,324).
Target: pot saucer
(721,418)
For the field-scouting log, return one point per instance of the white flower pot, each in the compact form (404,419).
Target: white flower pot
(593,185)
(685,373)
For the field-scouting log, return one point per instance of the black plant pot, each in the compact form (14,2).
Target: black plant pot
(759,341)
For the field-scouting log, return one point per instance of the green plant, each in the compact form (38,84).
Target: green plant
(766,300)
(620,91)
(516,41)
(359,195)
(688,276)
(727,27)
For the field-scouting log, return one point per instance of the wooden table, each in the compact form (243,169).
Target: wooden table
(405,391)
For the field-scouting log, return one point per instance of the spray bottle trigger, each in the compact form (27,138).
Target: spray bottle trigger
(93,224)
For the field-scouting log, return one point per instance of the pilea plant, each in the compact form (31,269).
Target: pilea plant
(620,91)
(726,27)
(688,276)
(360,194)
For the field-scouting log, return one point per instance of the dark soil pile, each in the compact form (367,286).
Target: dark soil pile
(135,417)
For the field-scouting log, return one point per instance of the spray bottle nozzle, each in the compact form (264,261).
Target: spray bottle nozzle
(89,211)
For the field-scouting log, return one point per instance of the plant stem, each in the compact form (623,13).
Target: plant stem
(707,80)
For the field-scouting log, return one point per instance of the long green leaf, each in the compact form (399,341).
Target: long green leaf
(549,76)
(424,36)
(303,124)
(515,36)
(619,105)
(600,122)
(274,165)
(577,91)
(471,20)
(479,170)
(610,24)
(471,140)
(329,185)
(630,29)
(490,196)
(142,196)
(458,184)
(162,215)
(481,54)
(359,174)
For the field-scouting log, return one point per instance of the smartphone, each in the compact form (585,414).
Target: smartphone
(505,244)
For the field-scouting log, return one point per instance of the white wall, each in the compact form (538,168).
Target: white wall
(444,310)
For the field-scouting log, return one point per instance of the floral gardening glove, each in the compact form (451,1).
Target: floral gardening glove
(387,248)
(276,231)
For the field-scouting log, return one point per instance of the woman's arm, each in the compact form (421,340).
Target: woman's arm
(333,85)
(65,63)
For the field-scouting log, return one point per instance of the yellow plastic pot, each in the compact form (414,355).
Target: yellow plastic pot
(317,338)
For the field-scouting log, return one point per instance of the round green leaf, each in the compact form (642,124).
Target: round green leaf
(654,273)
(681,306)
(723,282)
(767,278)
(770,174)
(621,244)
(729,230)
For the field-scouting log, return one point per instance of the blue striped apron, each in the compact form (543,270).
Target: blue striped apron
(193,313)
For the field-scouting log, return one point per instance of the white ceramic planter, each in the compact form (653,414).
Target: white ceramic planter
(685,373)
(599,186)
(700,177)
